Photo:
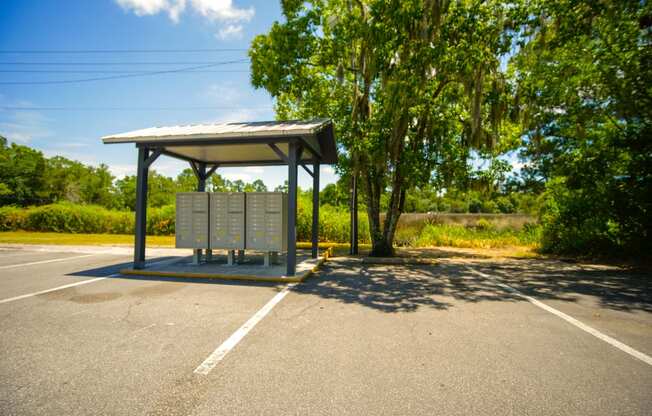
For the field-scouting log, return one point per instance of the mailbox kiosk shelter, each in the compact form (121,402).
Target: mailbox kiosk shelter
(207,147)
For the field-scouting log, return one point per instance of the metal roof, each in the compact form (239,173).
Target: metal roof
(237,143)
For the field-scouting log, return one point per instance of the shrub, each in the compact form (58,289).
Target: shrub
(161,221)
(12,218)
(484,224)
(505,205)
(576,223)
(489,207)
(459,207)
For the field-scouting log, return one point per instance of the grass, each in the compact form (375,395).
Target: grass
(33,237)
(476,237)
(525,240)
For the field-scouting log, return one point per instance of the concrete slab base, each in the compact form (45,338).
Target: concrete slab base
(251,268)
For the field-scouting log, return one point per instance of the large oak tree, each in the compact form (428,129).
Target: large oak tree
(412,85)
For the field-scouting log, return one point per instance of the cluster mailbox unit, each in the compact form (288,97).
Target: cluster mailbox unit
(191,227)
(267,223)
(232,221)
(227,222)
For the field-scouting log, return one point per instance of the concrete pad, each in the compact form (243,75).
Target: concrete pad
(251,269)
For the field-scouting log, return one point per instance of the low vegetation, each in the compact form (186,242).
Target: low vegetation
(98,225)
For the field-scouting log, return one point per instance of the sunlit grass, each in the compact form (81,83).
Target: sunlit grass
(525,240)
(29,237)
(476,237)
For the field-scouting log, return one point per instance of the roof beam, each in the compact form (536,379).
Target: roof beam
(314,152)
(195,169)
(278,151)
(303,165)
(178,156)
(152,157)
(213,141)
(212,170)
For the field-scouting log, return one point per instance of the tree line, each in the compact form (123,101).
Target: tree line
(28,178)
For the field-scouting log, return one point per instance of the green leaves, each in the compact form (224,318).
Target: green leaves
(409,84)
(584,76)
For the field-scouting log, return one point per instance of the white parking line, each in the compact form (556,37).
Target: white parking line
(83,282)
(221,351)
(606,338)
(11,266)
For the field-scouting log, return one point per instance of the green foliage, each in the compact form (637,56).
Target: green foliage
(484,224)
(22,174)
(88,219)
(411,86)
(485,236)
(68,218)
(12,218)
(585,83)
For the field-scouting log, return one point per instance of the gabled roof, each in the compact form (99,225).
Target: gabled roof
(242,143)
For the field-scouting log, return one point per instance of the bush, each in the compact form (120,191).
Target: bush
(459,207)
(475,206)
(489,207)
(161,221)
(505,205)
(333,226)
(12,218)
(574,223)
(484,224)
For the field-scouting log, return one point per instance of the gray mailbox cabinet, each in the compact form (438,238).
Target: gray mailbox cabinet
(227,220)
(192,220)
(266,221)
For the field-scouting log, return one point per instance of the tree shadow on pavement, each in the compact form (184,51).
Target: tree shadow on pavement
(406,288)
(612,287)
(401,288)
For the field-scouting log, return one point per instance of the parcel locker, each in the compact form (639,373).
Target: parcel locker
(266,221)
(192,220)
(227,220)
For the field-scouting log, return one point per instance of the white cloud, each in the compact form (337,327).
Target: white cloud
(255,169)
(230,32)
(173,8)
(234,176)
(328,170)
(120,171)
(223,93)
(221,11)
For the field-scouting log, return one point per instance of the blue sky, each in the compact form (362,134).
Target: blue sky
(68,119)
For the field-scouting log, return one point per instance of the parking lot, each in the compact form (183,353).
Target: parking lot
(463,336)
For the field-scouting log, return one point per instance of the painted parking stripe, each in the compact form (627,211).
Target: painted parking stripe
(11,266)
(221,351)
(584,327)
(83,282)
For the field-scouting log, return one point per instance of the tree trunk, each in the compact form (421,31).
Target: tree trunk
(372,199)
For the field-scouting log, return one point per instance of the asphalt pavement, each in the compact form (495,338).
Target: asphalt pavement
(462,336)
